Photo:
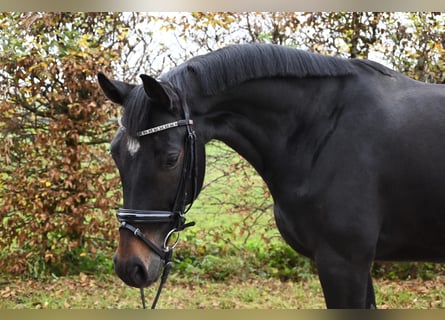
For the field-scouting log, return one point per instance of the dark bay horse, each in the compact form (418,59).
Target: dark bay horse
(353,154)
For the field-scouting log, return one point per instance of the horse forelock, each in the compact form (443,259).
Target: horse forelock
(136,110)
(138,105)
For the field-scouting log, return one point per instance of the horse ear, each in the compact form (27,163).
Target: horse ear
(154,90)
(115,90)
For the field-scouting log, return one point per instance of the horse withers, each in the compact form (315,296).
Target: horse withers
(353,154)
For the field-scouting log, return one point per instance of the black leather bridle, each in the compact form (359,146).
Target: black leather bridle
(176,216)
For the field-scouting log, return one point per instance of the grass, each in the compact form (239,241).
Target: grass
(105,292)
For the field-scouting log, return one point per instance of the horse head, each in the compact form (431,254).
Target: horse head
(161,166)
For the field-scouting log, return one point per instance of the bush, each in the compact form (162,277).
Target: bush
(58,182)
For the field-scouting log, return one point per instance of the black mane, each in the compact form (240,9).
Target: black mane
(232,65)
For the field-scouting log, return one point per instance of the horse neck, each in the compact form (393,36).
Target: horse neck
(266,120)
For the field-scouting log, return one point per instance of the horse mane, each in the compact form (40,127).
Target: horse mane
(227,67)
(230,66)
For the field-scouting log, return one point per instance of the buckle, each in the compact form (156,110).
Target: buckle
(166,247)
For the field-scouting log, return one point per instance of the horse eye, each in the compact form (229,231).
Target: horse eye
(171,160)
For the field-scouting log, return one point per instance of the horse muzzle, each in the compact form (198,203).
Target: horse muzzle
(136,271)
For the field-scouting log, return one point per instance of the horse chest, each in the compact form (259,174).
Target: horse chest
(299,225)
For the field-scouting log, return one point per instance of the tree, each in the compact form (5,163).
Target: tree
(58,184)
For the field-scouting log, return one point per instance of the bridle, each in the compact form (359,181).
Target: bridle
(128,217)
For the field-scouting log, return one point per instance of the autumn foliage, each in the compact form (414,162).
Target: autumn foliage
(58,183)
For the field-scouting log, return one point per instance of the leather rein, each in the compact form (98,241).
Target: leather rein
(128,217)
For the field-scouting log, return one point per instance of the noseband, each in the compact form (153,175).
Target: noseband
(176,216)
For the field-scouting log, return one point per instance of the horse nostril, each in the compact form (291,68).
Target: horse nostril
(132,271)
(139,273)
(135,273)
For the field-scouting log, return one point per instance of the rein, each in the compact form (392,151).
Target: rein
(128,217)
